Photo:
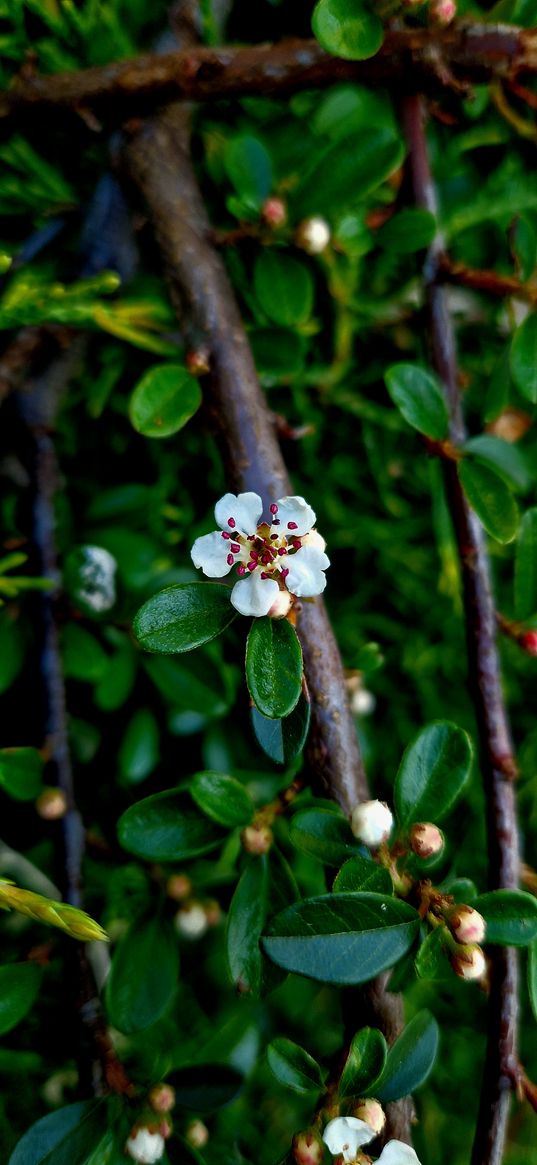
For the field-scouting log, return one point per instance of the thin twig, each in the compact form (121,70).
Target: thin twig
(432,59)
(489,281)
(497,760)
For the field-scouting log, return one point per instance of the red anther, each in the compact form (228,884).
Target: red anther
(296,543)
(292,525)
(225,534)
(273,536)
(264,574)
(235,547)
(282,551)
(266,558)
(274,508)
(230,560)
(241,570)
(252,565)
(285,572)
(231,522)
(276,522)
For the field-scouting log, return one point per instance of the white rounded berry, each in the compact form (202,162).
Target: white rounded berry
(370,1111)
(467,925)
(313,235)
(469,963)
(426,839)
(145,1146)
(371,822)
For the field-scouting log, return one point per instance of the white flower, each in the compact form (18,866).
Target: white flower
(145,1146)
(285,556)
(371,822)
(346,1134)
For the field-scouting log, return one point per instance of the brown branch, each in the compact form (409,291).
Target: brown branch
(497,760)
(430,59)
(490,281)
(157,159)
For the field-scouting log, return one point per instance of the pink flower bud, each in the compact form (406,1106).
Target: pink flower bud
(529,642)
(426,839)
(257,839)
(162,1098)
(370,1111)
(197,1134)
(274,212)
(443,11)
(469,963)
(178,887)
(467,925)
(281,605)
(371,822)
(51,804)
(308,1148)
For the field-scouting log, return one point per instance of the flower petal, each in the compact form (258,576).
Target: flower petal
(313,538)
(346,1134)
(297,511)
(244,509)
(306,571)
(210,552)
(396,1153)
(254,595)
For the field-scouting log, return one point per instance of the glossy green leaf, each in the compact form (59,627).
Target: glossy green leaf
(19,985)
(166,828)
(341,938)
(524,245)
(432,959)
(21,773)
(293,1066)
(283,740)
(432,773)
(341,177)
(526,566)
(347,28)
(183,616)
(505,458)
(223,799)
(284,288)
(365,875)
(524,358)
(191,682)
(83,656)
(510,915)
(491,499)
(419,397)
(499,387)
(249,168)
(64,1137)
(245,922)
(273,666)
(532,977)
(410,1059)
(364,1064)
(114,689)
(205,1087)
(408,231)
(165,398)
(139,750)
(144,975)
(324,835)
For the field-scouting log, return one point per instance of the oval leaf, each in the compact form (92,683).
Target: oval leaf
(419,398)
(491,499)
(143,977)
(293,1067)
(432,773)
(245,922)
(341,176)
(183,616)
(347,29)
(365,1063)
(284,288)
(324,835)
(273,666)
(532,977)
(506,459)
(524,358)
(510,915)
(283,740)
(526,566)
(167,828)
(223,799)
(363,874)
(64,1137)
(249,168)
(410,1058)
(163,401)
(20,772)
(19,985)
(341,938)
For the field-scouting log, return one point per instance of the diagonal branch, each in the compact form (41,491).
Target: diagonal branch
(497,760)
(432,59)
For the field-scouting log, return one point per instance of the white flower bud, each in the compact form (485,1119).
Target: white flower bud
(281,605)
(372,1112)
(362,702)
(145,1146)
(426,839)
(469,963)
(371,822)
(313,235)
(257,839)
(467,925)
(191,920)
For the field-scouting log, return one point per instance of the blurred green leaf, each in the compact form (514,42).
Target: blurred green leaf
(284,288)
(21,772)
(491,499)
(64,1137)
(293,1066)
(324,835)
(139,749)
(249,168)
(419,397)
(144,975)
(526,566)
(365,1063)
(164,400)
(347,29)
(19,986)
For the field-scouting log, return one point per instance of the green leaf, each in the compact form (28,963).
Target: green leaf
(114,689)
(532,977)
(341,938)
(19,985)
(433,772)
(284,288)
(183,616)
(506,459)
(223,799)
(526,566)
(205,1087)
(363,874)
(524,358)
(410,1058)
(432,959)
(139,750)
(491,499)
(167,828)
(165,398)
(408,231)
(21,773)
(524,245)
(273,666)
(144,975)
(249,168)
(293,1067)
(83,656)
(191,683)
(245,922)
(364,1064)
(64,1137)
(283,740)
(324,835)
(347,29)
(419,398)
(341,177)
(510,915)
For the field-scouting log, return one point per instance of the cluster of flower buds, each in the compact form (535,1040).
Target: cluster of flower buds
(345,1136)
(146,1141)
(468,928)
